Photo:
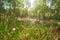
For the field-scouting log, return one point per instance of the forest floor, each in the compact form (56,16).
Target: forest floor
(52,29)
(37,20)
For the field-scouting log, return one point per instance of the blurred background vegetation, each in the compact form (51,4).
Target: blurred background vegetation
(29,20)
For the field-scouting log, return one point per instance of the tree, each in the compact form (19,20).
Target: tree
(41,8)
(11,5)
(55,7)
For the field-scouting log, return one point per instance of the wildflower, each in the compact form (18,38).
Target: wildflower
(14,29)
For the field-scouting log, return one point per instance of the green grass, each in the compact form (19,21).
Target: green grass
(24,30)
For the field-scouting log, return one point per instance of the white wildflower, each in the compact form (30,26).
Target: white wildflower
(14,29)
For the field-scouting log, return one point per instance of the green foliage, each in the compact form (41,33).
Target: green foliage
(31,29)
(13,29)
